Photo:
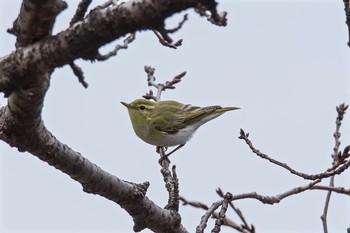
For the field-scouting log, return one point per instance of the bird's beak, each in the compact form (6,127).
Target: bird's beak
(125,104)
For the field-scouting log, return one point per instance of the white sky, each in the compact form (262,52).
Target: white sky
(285,63)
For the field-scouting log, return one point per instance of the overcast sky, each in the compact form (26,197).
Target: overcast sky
(284,63)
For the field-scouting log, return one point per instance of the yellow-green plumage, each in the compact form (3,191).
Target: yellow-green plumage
(169,123)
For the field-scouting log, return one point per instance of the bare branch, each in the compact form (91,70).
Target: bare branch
(210,12)
(326,206)
(21,123)
(245,227)
(196,204)
(185,18)
(221,220)
(278,198)
(227,222)
(160,86)
(149,96)
(340,190)
(80,12)
(346,153)
(262,198)
(341,110)
(35,21)
(338,158)
(165,39)
(82,40)
(127,41)
(204,220)
(334,170)
(172,186)
(79,73)
(176,79)
(163,36)
(347,14)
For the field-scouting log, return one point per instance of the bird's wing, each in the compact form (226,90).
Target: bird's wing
(195,114)
(178,116)
(172,117)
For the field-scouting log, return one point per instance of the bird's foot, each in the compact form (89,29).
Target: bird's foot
(163,156)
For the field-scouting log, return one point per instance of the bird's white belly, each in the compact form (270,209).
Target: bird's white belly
(167,140)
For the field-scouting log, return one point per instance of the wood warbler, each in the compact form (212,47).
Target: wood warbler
(169,123)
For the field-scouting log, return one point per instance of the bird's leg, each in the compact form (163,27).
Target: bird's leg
(159,149)
(178,147)
(165,156)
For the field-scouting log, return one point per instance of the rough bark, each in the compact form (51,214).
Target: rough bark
(25,77)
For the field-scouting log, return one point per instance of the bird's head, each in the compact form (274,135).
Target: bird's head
(140,110)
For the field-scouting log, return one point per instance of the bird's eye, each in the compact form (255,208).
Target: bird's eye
(142,107)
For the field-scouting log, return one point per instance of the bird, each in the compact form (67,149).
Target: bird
(169,123)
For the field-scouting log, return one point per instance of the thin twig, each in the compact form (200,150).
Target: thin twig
(337,159)
(276,198)
(339,190)
(221,220)
(204,220)
(264,199)
(246,226)
(227,221)
(185,18)
(341,110)
(127,41)
(337,169)
(151,80)
(165,39)
(347,20)
(326,205)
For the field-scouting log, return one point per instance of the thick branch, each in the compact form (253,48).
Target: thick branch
(25,77)
(94,180)
(84,38)
(36,20)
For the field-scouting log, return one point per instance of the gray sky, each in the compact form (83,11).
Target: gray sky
(285,63)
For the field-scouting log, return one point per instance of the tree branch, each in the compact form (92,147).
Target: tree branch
(336,169)
(338,158)
(35,20)
(151,79)
(245,227)
(204,220)
(84,38)
(227,221)
(25,76)
(347,19)
(80,12)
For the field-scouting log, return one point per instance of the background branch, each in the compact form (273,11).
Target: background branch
(347,19)
(336,169)
(338,158)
